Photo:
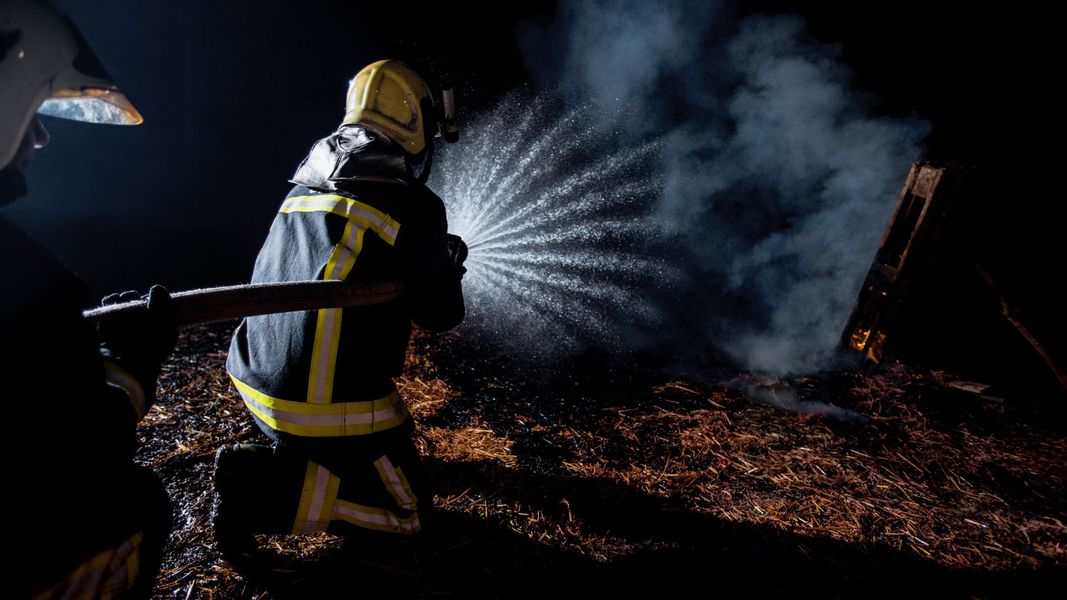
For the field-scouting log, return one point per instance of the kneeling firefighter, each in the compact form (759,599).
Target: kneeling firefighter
(319,383)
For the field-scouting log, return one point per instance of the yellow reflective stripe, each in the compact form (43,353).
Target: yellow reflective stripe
(328,323)
(118,377)
(300,524)
(316,501)
(133,565)
(124,568)
(84,581)
(319,506)
(107,574)
(378,519)
(361,217)
(345,254)
(323,355)
(354,210)
(396,483)
(324,420)
(329,425)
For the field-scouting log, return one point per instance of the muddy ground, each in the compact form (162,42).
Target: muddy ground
(606,475)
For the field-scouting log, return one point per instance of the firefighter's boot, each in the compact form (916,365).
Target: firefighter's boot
(234,533)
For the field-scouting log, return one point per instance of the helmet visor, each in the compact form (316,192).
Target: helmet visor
(92,105)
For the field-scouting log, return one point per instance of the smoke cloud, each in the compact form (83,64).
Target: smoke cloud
(777,180)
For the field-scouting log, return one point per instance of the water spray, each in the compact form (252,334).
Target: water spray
(558,224)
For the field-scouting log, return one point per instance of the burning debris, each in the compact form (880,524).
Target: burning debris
(609,478)
(928,294)
(911,243)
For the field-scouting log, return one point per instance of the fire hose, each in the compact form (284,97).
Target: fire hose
(209,305)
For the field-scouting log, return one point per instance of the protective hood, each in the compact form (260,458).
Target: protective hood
(350,154)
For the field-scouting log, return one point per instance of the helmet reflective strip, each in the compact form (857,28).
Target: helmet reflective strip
(320,491)
(371,81)
(324,420)
(396,483)
(378,519)
(364,214)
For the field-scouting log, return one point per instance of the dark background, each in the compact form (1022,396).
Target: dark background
(234,93)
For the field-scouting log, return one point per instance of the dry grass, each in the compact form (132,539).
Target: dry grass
(607,477)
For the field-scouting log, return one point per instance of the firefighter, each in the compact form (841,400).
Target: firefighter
(85,521)
(320,383)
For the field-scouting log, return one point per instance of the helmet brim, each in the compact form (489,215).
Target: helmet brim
(92,105)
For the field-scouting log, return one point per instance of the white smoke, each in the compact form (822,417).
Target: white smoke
(777,179)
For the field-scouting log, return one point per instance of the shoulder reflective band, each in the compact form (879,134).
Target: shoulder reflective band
(324,420)
(353,210)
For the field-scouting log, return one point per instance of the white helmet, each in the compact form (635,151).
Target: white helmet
(46,66)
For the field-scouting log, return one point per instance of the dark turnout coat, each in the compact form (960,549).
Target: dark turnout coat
(84,516)
(322,379)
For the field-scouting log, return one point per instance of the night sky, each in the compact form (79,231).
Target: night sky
(234,93)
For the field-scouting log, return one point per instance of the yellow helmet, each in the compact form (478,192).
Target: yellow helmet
(390,97)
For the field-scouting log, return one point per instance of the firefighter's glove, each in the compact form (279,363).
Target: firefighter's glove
(457,251)
(140,341)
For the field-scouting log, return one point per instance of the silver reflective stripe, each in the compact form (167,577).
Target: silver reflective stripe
(320,487)
(396,483)
(324,420)
(336,420)
(324,355)
(328,323)
(322,477)
(373,518)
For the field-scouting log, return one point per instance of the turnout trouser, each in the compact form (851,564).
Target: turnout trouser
(371,491)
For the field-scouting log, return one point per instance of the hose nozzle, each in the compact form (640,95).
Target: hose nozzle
(449,125)
(457,249)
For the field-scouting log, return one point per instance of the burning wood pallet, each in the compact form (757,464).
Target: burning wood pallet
(925,251)
(913,238)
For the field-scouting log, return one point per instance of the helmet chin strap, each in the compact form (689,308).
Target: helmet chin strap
(427,164)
